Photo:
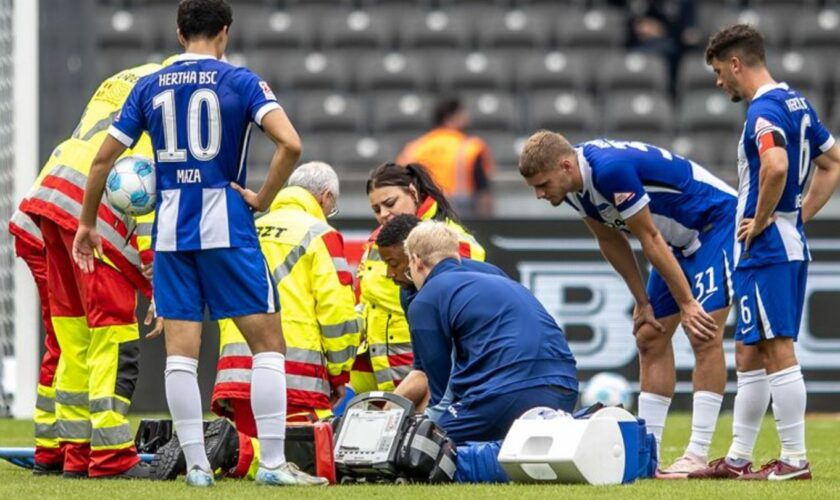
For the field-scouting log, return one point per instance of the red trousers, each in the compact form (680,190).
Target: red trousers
(47,450)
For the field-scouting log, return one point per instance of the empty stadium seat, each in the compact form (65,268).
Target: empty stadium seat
(357,31)
(393,71)
(512,30)
(571,114)
(124,28)
(637,112)
(477,70)
(409,113)
(360,154)
(505,148)
(434,30)
(492,111)
(694,74)
(556,70)
(800,70)
(709,111)
(633,71)
(702,149)
(332,112)
(278,29)
(591,30)
(774,31)
(314,71)
(818,34)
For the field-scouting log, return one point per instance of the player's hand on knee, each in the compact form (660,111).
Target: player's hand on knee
(643,315)
(697,322)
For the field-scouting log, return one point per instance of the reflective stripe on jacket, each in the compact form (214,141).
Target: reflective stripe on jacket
(317,303)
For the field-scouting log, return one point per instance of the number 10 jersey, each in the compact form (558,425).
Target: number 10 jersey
(198,113)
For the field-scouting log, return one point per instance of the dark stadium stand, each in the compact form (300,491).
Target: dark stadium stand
(359,77)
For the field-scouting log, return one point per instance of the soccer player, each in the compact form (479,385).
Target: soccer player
(90,367)
(782,137)
(683,218)
(484,337)
(198,113)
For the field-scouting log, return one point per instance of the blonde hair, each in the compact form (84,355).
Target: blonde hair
(542,151)
(431,242)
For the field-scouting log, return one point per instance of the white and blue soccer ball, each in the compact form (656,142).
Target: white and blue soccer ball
(608,388)
(130,187)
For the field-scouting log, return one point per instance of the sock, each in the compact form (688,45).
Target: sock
(654,409)
(268,401)
(704,417)
(789,398)
(184,400)
(751,402)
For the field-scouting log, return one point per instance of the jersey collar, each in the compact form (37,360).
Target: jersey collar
(585,170)
(767,87)
(191,56)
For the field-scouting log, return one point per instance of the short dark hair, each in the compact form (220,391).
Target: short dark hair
(743,38)
(203,18)
(445,108)
(396,230)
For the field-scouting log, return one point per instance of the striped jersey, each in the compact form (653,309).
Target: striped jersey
(621,178)
(198,112)
(778,116)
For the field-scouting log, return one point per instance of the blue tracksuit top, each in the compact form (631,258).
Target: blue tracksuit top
(504,339)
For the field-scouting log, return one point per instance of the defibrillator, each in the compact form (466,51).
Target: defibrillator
(381,438)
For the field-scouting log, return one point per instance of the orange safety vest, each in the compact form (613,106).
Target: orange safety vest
(450,157)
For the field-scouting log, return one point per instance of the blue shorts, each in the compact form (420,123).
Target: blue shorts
(770,301)
(708,271)
(490,418)
(231,282)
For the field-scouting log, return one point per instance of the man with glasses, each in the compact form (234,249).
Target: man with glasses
(315,286)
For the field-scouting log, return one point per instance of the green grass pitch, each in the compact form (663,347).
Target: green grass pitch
(823,439)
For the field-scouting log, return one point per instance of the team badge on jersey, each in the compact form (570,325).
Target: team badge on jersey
(269,94)
(761,124)
(620,198)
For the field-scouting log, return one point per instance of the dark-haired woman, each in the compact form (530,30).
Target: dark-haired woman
(393,190)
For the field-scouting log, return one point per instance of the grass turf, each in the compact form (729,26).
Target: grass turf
(823,438)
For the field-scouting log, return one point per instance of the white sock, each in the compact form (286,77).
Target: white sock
(268,402)
(704,415)
(789,399)
(184,400)
(654,409)
(751,402)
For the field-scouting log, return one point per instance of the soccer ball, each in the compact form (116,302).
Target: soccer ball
(608,388)
(130,187)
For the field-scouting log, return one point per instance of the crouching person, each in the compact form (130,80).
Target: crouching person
(485,337)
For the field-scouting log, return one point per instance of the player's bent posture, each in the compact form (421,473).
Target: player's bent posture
(683,217)
(483,336)
(90,367)
(198,113)
(390,241)
(782,137)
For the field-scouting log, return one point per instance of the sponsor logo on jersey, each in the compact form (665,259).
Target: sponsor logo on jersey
(267,91)
(620,198)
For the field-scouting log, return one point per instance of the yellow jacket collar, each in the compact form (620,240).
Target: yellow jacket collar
(297,198)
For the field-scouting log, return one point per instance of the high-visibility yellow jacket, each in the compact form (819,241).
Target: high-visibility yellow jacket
(386,330)
(59,189)
(317,306)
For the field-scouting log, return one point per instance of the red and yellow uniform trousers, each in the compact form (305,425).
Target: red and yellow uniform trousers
(93,315)
(29,246)
(319,320)
(385,357)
